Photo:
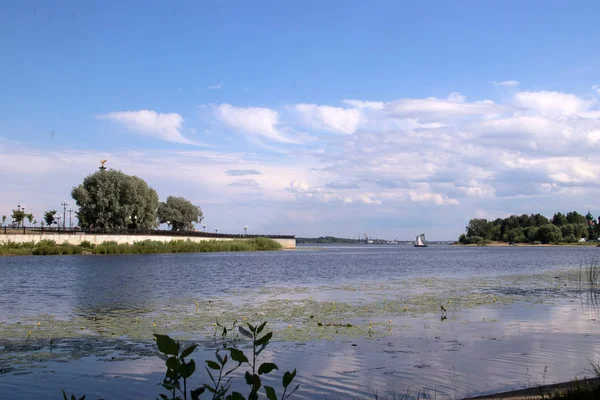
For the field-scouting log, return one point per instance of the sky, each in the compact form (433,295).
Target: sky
(307,117)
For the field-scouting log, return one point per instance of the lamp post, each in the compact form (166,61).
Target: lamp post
(64,204)
(70,210)
(58,218)
(245,230)
(204,227)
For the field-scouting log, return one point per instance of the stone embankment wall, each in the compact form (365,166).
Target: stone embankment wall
(286,243)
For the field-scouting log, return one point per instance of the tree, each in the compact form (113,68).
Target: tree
(115,201)
(479,227)
(50,217)
(559,219)
(3,219)
(180,213)
(574,217)
(549,234)
(18,216)
(516,235)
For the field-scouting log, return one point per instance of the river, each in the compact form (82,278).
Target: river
(516,317)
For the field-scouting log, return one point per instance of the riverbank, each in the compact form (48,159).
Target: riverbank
(573,390)
(50,247)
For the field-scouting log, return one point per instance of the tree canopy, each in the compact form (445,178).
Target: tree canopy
(50,217)
(113,200)
(179,213)
(531,228)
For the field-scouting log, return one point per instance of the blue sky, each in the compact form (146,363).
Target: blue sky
(383,117)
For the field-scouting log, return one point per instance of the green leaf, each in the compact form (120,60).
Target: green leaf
(82,397)
(166,345)
(213,365)
(288,377)
(238,355)
(224,331)
(245,332)
(270,393)
(265,368)
(188,351)
(188,369)
(65,395)
(265,339)
(261,327)
(197,392)
(248,377)
(252,329)
(164,396)
(236,396)
(173,363)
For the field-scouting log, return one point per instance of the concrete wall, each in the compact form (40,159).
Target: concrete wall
(130,239)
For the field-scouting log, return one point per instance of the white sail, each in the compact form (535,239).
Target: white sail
(420,241)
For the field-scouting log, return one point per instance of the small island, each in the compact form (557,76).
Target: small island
(534,229)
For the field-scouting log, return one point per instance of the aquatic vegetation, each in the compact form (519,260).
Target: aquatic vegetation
(179,370)
(589,270)
(49,247)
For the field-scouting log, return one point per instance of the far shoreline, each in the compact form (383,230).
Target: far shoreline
(507,244)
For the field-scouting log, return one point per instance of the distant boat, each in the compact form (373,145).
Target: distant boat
(420,241)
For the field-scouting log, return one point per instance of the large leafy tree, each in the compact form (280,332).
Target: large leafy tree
(180,213)
(110,199)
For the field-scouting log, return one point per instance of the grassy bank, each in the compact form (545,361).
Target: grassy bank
(49,247)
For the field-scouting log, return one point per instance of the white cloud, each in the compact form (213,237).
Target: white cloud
(263,122)
(431,197)
(150,123)
(328,118)
(434,109)
(596,88)
(507,83)
(554,103)
(215,87)
(376,105)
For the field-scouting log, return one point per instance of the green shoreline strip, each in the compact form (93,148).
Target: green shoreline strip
(49,247)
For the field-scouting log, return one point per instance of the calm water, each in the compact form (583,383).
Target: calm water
(516,317)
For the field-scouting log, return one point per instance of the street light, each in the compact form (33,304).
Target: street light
(58,218)
(64,204)
(245,230)
(70,210)
(204,227)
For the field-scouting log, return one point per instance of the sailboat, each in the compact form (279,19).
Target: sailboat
(420,241)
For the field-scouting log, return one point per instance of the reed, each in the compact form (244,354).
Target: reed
(49,247)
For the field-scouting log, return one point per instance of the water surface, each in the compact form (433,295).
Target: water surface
(516,317)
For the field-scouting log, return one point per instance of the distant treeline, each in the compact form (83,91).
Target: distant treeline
(327,240)
(534,228)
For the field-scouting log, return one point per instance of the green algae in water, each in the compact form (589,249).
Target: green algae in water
(194,318)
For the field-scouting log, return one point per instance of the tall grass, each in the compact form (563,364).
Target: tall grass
(49,247)
(589,270)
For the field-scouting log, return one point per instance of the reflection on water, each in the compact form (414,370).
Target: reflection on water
(514,314)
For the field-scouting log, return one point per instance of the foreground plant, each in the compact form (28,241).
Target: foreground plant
(220,370)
